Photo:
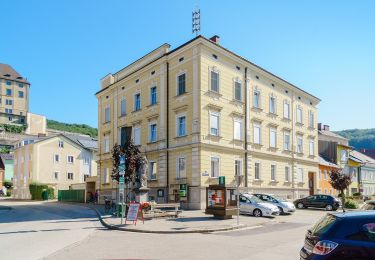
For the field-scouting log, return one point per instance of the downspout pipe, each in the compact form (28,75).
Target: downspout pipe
(246,129)
(167,132)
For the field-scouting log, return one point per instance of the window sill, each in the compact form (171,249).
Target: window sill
(107,123)
(152,142)
(300,153)
(257,109)
(121,116)
(287,182)
(258,180)
(152,180)
(151,105)
(215,93)
(274,181)
(274,149)
(215,136)
(286,119)
(300,183)
(299,124)
(311,156)
(238,102)
(272,114)
(180,136)
(257,145)
(135,111)
(238,140)
(181,94)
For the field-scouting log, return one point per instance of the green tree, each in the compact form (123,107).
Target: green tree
(340,182)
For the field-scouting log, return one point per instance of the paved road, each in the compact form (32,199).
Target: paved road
(33,230)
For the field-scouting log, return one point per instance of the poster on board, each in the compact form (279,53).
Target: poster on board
(133,212)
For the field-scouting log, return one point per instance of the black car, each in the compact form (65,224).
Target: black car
(318,201)
(344,236)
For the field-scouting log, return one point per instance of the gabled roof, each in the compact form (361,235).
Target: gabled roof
(362,157)
(323,162)
(331,134)
(7,72)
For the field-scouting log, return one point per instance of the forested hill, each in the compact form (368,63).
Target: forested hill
(359,138)
(73,128)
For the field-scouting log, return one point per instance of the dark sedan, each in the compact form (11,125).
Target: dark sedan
(318,201)
(343,236)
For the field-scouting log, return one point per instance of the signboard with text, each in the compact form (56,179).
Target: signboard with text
(134,212)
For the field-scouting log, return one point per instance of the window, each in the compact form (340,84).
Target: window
(20,94)
(153,95)
(181,167)
(214,81)
(343,155)
(56,176)
(300,175)
(106,143)
(70,159)
(70,176)
(137,136)
(152,170)
(273,137)
(365,233)
(61,144)
(215,167)
(181,126)
(311,147)
(256,98)
(325,174)
(137,102)
(56,158)
(8,92)
(237,91)
(257,171)
(153,133)
(86,160)
(105,175)
(287,141)
(299,115)
(287,174)
(272,105)
(273,172)
(299,144)
(8,102)
(311,119)
(181,84)
(214,123)
(20,85)
(107,116)
(9,83)
(123,107)
(238,129)
(238,167)
(257,134)
(9,111)
(286,110)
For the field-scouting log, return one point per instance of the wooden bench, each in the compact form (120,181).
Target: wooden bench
(173,206)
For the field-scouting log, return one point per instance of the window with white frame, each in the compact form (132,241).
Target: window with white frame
(137,135)
(300,176)
(311,119)
(286,109)
(152,132)
(106,175)
(181,82)
(70,159)
(238,167)
(215,166)
(273,134)
(56,158)
(325,174)
(272,105)
(153,95)
(86,160)
(287,173)
(152,166)
(311,147)
(61,144)
(106,143)
(238,128)
(287,140)
(56,176)
(257,171)
(299,144)
(181,125)
(256,99)
(137,102)
(181,167)
(107,116)
(344,155)
(257,133)
(237,90)
(214,80)
(299,115)
(214,123)
(70,176)
(123,107)
(273,172)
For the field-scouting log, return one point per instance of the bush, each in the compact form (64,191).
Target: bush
(351,204)
(51,193)
(36,190)
(9,193)
(356,194)
(8,184)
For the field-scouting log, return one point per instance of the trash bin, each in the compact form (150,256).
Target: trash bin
(120,210)
(44,194)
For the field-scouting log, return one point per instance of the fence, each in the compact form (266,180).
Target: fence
(71,195)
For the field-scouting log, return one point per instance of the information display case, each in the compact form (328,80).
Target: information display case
(221,201)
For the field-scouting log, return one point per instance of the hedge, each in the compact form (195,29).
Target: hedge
(36,190)
(351,204)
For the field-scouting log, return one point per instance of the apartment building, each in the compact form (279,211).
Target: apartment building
(200,111)
(14,96)
(59,161)
(324,187)
(366,174)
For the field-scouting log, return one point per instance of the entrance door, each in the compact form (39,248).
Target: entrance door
(311,183)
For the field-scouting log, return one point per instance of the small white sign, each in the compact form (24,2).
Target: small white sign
(205,173)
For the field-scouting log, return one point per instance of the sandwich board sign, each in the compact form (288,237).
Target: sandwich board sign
(134,212)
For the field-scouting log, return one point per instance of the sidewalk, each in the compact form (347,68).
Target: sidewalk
(189,221)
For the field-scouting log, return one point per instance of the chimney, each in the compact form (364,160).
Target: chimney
(363,150)
(319,126)
(215,39)
(326,127)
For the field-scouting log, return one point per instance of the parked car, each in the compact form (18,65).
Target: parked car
(283,205)
(318,201)
(344,236)
(250,204)
(369,205)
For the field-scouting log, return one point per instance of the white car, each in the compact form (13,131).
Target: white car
(283,205)
(250,204)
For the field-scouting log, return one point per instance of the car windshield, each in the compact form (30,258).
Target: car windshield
(323,225)
(278,198)
(253,198)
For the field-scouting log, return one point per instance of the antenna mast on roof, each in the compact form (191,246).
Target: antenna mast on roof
(196,21)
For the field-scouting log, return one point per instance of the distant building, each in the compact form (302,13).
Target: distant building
(59,161)
(368,152)
(7,160)
(366,173)
(325,168)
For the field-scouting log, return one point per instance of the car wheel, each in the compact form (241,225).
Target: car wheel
(329,207)
(300,205)
(257,213)
(281,210)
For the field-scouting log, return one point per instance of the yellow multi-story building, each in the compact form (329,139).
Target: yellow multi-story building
(59,161)
(201,111)
(14,96)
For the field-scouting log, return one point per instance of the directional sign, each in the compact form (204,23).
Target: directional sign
(122,159)
(121,167)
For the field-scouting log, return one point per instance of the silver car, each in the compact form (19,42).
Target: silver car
(250,204)
(283,205)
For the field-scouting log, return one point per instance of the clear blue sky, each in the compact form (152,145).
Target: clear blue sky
(65,47)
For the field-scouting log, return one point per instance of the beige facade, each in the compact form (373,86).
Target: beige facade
(58,161)
(215,114)
(36,124)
